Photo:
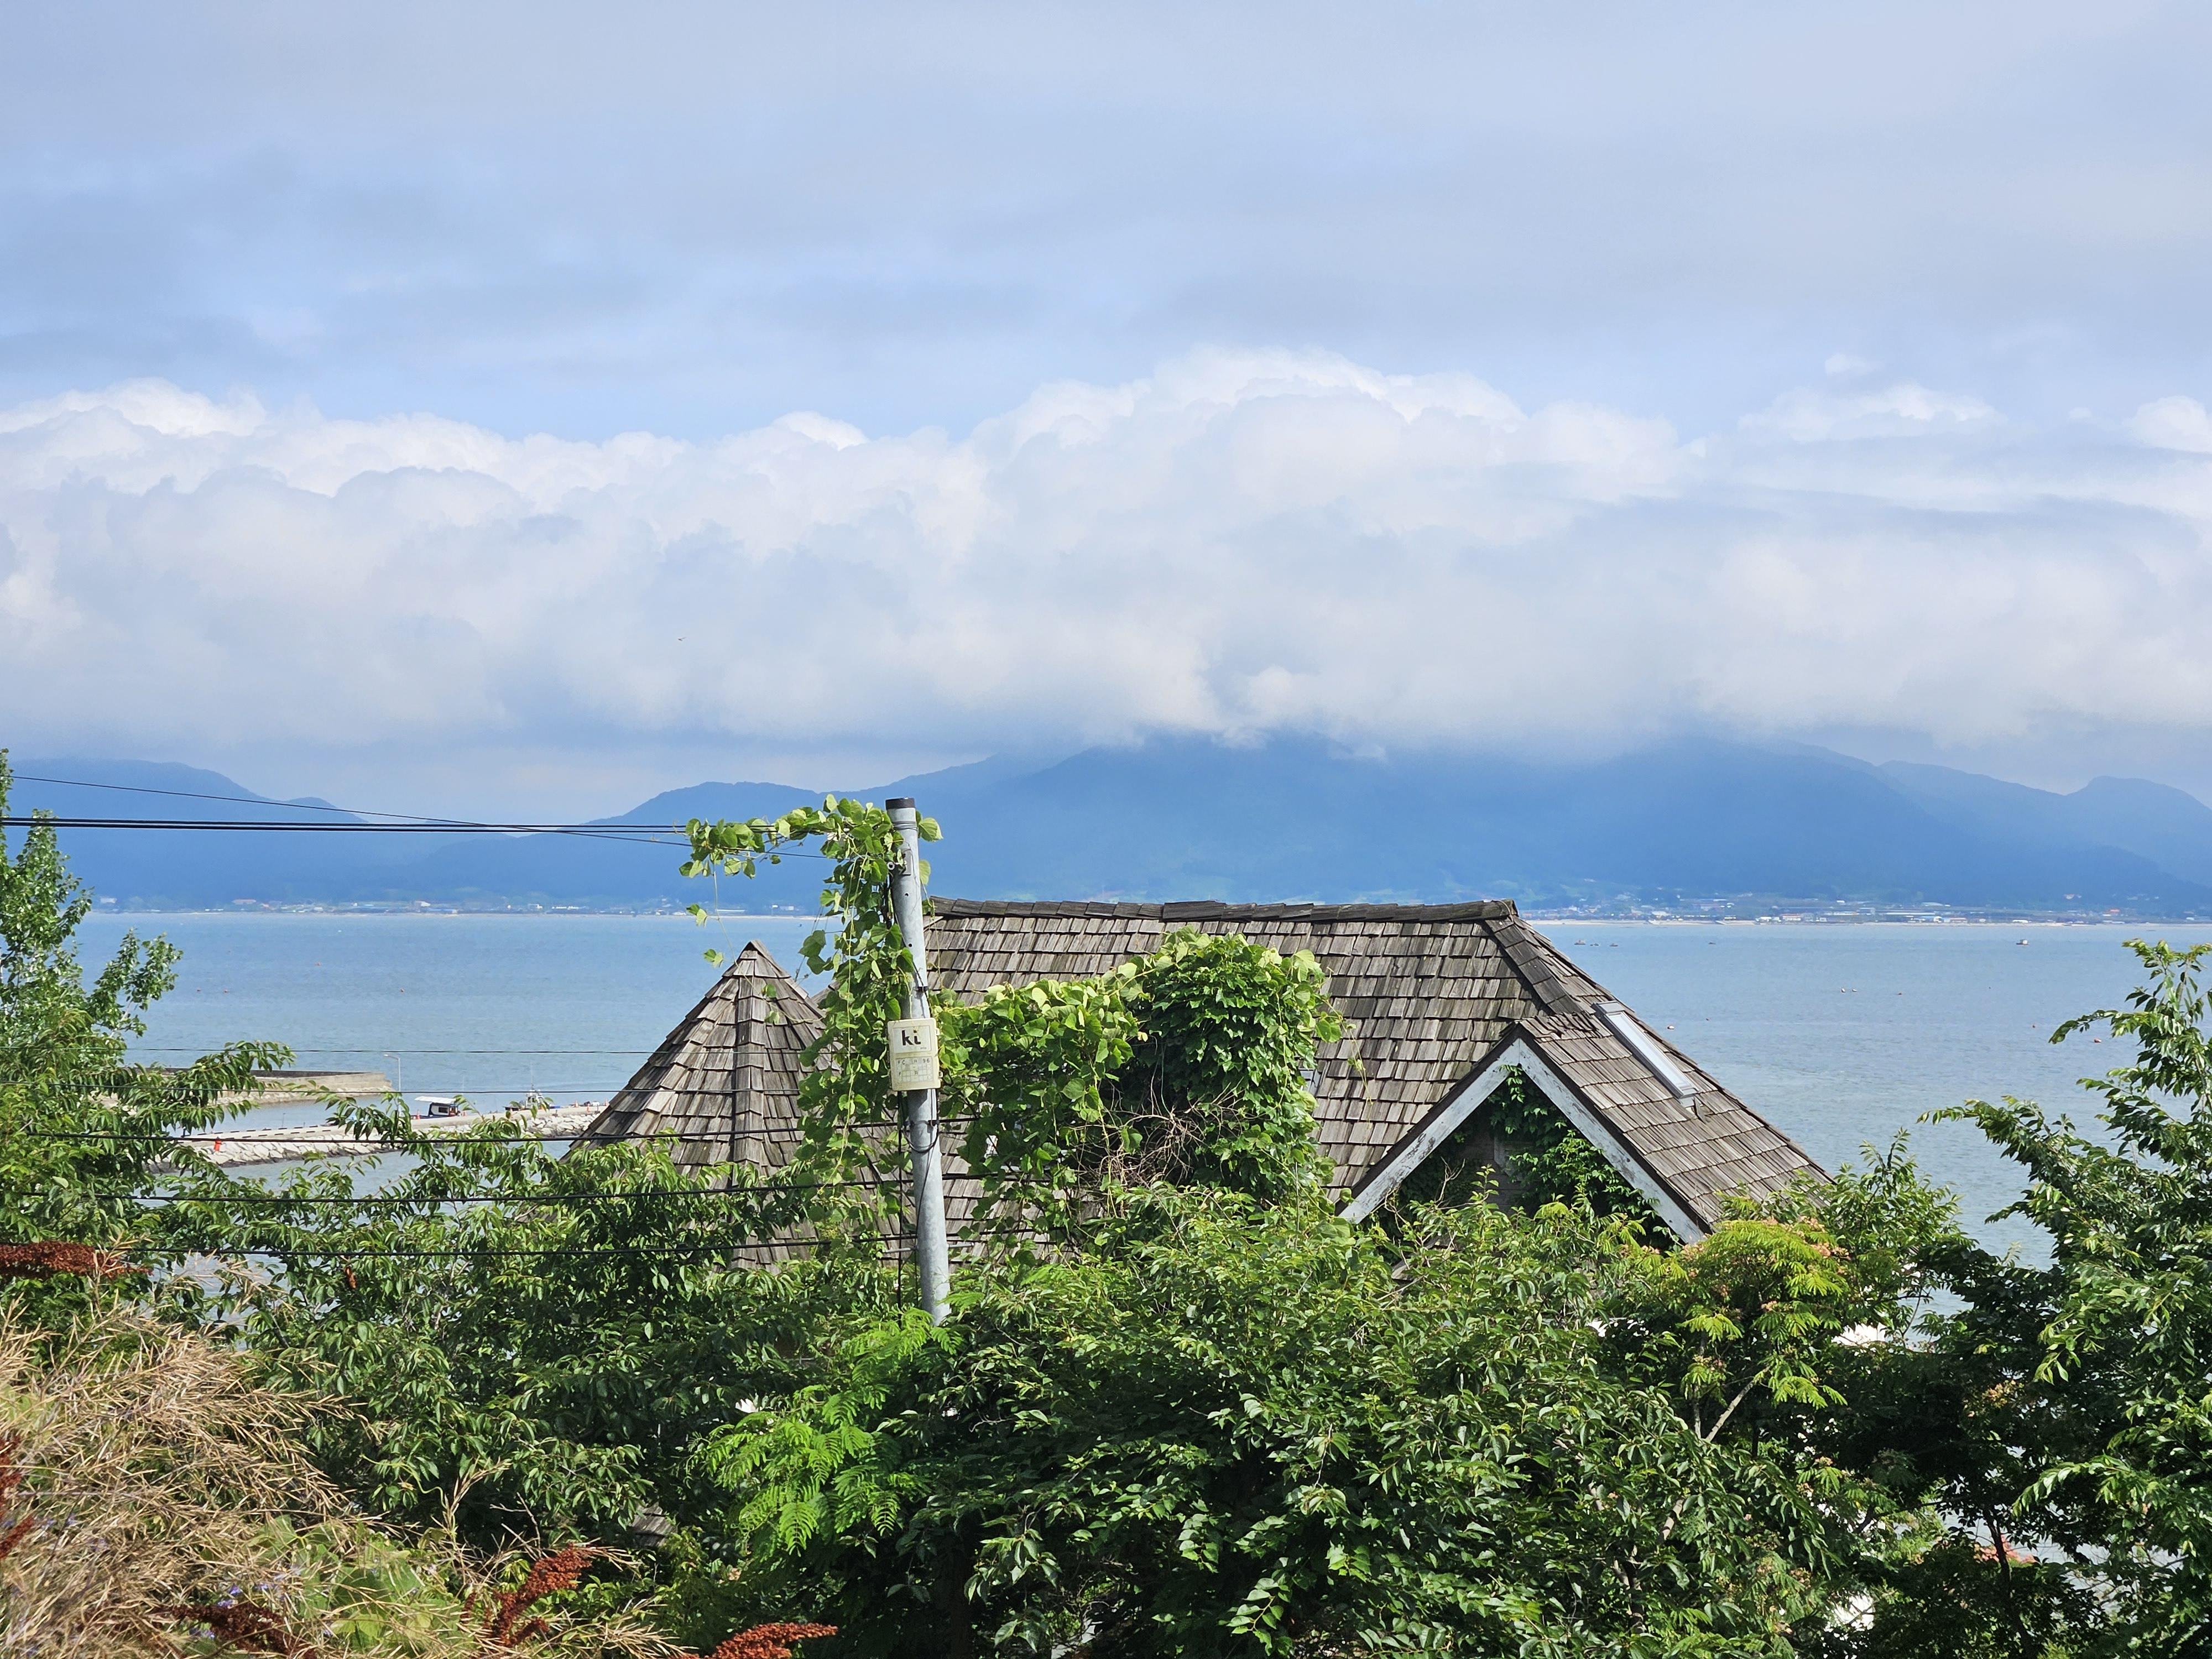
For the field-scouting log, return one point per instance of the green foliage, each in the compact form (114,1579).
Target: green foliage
(1210,1419)
(367,1591)
(2101,1386)
(534,1343)
(1229,1030)
(81,1129)
(1237,1427)
(1186,1067)
(814,1468)
(1751,1308)
(2038,1446)
(1033,1069)
(1518,1149)
(846,1110)
(1900,1234)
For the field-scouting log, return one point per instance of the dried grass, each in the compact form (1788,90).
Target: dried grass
(507,1625)
(50,1256)
(155,1501)
(768,1641)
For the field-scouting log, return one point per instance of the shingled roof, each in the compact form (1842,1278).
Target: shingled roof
(724,1084)
(1438,1002)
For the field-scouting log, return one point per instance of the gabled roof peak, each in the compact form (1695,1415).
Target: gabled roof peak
(1432,995)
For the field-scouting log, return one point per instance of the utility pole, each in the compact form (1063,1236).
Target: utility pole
(913,1071)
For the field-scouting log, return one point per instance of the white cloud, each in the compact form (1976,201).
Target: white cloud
(1241,542)
(1843,363)
(2174,423)
(1902,411)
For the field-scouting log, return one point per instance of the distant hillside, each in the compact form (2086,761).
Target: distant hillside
(1687,824)
(2173,831)
(214,869)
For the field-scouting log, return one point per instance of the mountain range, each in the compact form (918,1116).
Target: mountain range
(1692,826)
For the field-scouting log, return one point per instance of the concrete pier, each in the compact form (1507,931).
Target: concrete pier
(249,1147)
(280,1088)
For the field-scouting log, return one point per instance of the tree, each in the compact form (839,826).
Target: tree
(2106,1351)
(1184,1068)
(532,1343)
(82,1130)
(536,1344)
(1232,1426)
(2041,1444)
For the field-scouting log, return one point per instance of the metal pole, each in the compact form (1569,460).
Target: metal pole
(931,1258)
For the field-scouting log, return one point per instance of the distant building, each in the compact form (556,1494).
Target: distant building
(1439,1002)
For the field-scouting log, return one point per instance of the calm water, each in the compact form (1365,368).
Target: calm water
(490,1006)
(1841,1034)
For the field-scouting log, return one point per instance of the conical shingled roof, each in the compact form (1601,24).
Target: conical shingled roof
(725,1082)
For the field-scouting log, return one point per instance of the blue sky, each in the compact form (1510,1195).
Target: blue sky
(1864,351)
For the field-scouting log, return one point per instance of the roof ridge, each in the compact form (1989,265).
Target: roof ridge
(700,1063)
(1223,910)
(1551,974)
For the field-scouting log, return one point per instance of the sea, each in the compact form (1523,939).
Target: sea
(1843,1035)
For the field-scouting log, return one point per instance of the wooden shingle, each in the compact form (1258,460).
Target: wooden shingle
(1429,995)
(1426,992)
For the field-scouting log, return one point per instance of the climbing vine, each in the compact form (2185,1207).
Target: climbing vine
(1185,1067)
(1517,1149)
(848,1112)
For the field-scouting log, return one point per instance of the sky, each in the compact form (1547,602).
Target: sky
(518,410)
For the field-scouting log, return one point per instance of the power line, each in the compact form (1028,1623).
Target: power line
(620,1251)
(278,1134)
(619,1053)
(486,1197)
(409,819)
(472,1089)
(638,833)
(633,834)
(238,800)
(626,1252)
(483,1089)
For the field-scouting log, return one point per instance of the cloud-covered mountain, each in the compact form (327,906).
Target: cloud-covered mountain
(1240,545)
(1674,825)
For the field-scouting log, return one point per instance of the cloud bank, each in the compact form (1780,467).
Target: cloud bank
(1239,543)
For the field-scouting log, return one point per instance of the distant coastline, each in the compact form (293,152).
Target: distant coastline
(1721,913)
(1696,829)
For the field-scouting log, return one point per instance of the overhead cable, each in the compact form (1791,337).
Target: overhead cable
(521,1198)
(281,1133)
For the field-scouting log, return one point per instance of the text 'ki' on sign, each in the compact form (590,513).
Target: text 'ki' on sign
(913,1054)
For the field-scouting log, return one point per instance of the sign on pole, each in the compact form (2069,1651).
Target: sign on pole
(913,1054)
